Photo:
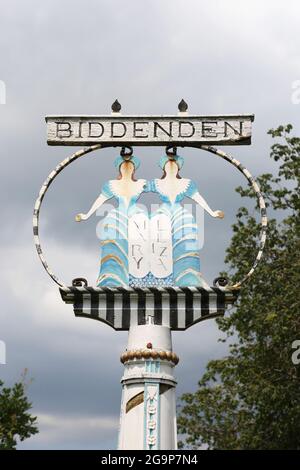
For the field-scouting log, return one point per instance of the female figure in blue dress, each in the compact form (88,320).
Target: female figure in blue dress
(172,189)
(114,233)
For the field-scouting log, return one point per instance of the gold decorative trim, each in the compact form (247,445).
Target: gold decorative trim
(149,354)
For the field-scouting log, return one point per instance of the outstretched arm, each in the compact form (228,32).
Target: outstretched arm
(98,203)
(199,199)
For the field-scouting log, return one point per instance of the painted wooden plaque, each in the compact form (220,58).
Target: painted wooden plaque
(150,130)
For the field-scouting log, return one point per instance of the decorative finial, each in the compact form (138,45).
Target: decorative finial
(116,107)
(182,106)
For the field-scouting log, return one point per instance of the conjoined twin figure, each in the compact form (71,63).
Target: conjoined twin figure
(156,250)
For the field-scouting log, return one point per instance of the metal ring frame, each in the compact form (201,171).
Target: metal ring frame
(67,161)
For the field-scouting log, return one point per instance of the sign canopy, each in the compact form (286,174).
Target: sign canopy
(182,129)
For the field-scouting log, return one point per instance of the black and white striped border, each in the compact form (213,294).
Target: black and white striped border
(174,307)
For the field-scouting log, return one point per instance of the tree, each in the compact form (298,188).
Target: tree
(250,399)
(15,421)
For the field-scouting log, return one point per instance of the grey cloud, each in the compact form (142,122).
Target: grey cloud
(60,57)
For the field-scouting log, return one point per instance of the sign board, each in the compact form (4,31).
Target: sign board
(181,129)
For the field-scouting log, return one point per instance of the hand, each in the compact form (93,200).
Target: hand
(219,214)
(80,217)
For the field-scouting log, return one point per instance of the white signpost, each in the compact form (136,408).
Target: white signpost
(149,253)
